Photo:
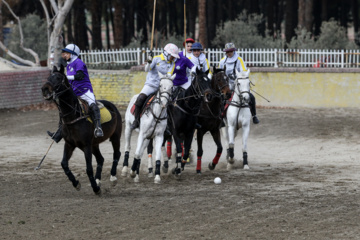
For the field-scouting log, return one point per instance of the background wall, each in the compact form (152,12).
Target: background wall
(288,87)
(22,88)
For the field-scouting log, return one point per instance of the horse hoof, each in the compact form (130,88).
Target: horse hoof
(157,179)
(124,171)
(150,175)
(136,179)
(98,192)
(78,186)
(98,182)
(164,169)
(231,160)
(198,172)
(132,174)
(212,166)
(246,167)
(113,180)
(229,166)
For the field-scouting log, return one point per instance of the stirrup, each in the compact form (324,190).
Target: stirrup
(255,120)
(135,124)
(98,132)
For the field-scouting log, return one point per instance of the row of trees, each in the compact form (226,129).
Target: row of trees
(279,22)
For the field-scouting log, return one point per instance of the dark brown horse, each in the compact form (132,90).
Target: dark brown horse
(183,114)
(210,116)
(78,132)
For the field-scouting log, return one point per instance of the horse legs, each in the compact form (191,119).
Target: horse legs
(245,135)
(68,150)
(231,132)
(187,146)
(217,139)
(115,141)
(166,153)
(150,165)
(90,171)
(141,145)
(100,162)
(128,132)
(177,170)
(158,143)
(200,136)
(225,134)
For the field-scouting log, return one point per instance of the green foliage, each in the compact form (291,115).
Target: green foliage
(159,41)
(244,33)
(332,36)
(34,37)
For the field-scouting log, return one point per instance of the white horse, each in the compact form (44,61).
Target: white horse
(238,115)
(152,125)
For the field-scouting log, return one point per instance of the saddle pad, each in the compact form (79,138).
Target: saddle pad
(132,110)
(105,116)
(227,105)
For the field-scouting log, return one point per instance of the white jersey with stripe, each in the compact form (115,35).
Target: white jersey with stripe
(230,63)
(158,64)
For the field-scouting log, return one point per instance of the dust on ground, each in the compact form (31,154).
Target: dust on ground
(303,184)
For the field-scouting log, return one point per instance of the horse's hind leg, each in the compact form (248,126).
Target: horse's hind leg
(200,136)
(217,139)
(90,171)
(187,146)
(100,162)
(245,135)
(128,132)
(158,143)
(115,141)
(140,148)
(177,170)
(150,151)
(68,150)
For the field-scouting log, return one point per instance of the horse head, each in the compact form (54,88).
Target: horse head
(242,85)
(202,84)
(220,83)
(166,84)
(55,84)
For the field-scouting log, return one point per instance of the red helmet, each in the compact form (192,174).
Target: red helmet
(188,40)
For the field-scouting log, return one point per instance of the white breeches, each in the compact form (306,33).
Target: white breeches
(148,90)
(89,97)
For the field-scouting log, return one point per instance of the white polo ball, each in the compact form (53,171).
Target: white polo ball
(217,180)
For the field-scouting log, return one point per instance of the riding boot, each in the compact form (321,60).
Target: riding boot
(56,136)
(138,106)
(96,119)
(253,109)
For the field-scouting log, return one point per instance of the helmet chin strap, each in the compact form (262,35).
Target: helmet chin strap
(167,55)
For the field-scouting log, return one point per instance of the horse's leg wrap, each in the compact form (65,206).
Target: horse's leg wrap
(216,159)
(231,150)
(198,165)
(126,159)
(168,150)
(245,158)
(136,165)
(157,167)
(116,157)
(96,118)
(178,158)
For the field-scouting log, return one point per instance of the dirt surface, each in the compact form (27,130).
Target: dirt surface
(303,184)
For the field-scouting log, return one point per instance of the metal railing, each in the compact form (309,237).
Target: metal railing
(252,57)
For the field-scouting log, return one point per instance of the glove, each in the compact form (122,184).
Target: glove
(79,75)
(150,57)
(231,76)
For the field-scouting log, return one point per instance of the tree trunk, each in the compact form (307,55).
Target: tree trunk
(211,26)
(290,19)
(81,37)
(70,35)
(305,18)
(202,23)
(270,17)
(118,22)
(1,30)
(96,9)
(191,9)
(355,15)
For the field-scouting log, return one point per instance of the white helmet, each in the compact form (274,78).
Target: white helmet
(172,49)
(72,48)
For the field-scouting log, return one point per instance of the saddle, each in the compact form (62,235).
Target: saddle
(104,112)
(145,106)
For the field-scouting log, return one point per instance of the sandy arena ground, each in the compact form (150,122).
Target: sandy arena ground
(303,184)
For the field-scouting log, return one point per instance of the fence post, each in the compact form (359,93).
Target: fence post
(138,56)
(275,58)
(342,58)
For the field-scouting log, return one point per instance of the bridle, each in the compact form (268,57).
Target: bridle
(56,93)
(243,102)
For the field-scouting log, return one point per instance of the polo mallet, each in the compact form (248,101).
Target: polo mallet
(38,167)
(260,95)
(152,29)
(185,25)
